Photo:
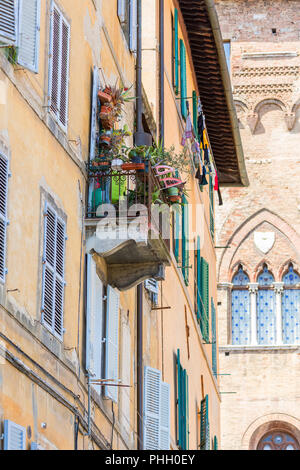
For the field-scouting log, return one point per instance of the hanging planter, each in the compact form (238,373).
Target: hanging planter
(104,97)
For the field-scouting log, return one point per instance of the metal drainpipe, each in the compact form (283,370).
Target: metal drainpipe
(139,321)
(162,71)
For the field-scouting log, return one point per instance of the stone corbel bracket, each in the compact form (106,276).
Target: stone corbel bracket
(252,121)
(290,119)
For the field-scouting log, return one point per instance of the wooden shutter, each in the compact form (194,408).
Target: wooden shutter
(151,285)
(176,56)
(164,416)
(182,405)
(198,283)
(4,173)
(133,26)
(185,240)
(95,88)
(122,10)
(29,34)
(211,207)
(214,338)
(14,436)
(112,342)
(205,299)
(152,403)
(183,84)
(53,272)
(204,427)
(94,321)
(215,443)
(9,21)
(195,113)
(59,65)
(36,446)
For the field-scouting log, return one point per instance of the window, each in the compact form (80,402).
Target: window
(4,174)
(9,21)
(202,292)
(240,308)
(14,436)
(227,49)
(59,66)
(278,440)
(182,402)
(185,240)
(291,307)
(211,208)
(152,287)
(183,82)
(53,272)
(214,337)
(156,411)
(127,13)
(175,60)
(265,307)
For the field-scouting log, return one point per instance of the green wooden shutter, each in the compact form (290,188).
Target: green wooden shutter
(198,283)
(195,113)
(204,321)
(211,207)
(214,338)
(183,85)
(204,425)
(185,240)
(182,405)
(176,72)
(215,443)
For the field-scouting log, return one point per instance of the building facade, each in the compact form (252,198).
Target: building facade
(110,342)
(258,228)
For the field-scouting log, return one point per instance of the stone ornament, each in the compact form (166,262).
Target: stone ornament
(264,241)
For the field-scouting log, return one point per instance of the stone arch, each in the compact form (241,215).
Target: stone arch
(241,105)
(234,269)
(269,422)
(259,268)
(267,101)
(240,234)
(284,268)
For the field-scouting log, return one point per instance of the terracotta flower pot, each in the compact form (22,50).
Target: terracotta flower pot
(174,198)
(104,97)
(133,166)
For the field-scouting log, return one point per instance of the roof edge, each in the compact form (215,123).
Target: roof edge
(213,17)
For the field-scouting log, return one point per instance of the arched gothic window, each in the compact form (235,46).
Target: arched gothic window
(240,308)
(278,440)
(291,307)
(266,308)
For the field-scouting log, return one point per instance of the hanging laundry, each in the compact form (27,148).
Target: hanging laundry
(189,131)
(216,185)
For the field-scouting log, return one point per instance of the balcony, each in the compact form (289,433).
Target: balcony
(129,233)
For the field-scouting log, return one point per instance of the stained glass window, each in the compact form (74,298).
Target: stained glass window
(266,309)
(278,440)
(240,308)
(291,307)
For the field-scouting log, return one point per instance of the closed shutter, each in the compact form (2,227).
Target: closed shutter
(3,213)
(195,113)
(198,283)
(152,287)
(164,416)
(215,443)
(205,299)
(59,65)
(14,436)
(9,21)
(182,405)
(204,428)
(122,10)
(185,240)
(53,272)
(36,446)
(152,402)
(29,34)
(133,26)
(214,338)
(112,342)
(183,84)
(211,207)
(95,88)
(176,56)
(94,322)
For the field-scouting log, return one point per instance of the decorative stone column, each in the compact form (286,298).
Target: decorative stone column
(278,289)
(253,288)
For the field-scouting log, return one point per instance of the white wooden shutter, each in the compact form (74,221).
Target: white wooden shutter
(164,416)
(112,342)
(152,404)
(3,213)
(152,285)
(122,10)
(29,34)
(59,65)
(14,436)
(9,21)
(36,446)
(53,272)
(133,26)
(94,320)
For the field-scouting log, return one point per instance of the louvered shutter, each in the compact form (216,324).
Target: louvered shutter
(215,443)
(3,213)
(211,207)
(195,113)
(176,72)
(9,21)
(94,321)
(204,429)
(164,416)
(59,65)
(53,272)
(122,10)
(112,342)
(198,283)
(214,338)
(205,299)
(185,240)
(29,34)
(14,436)
(36,446)
(133,26)
(95,88)
(152,403)
(151,285)
(183,84)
